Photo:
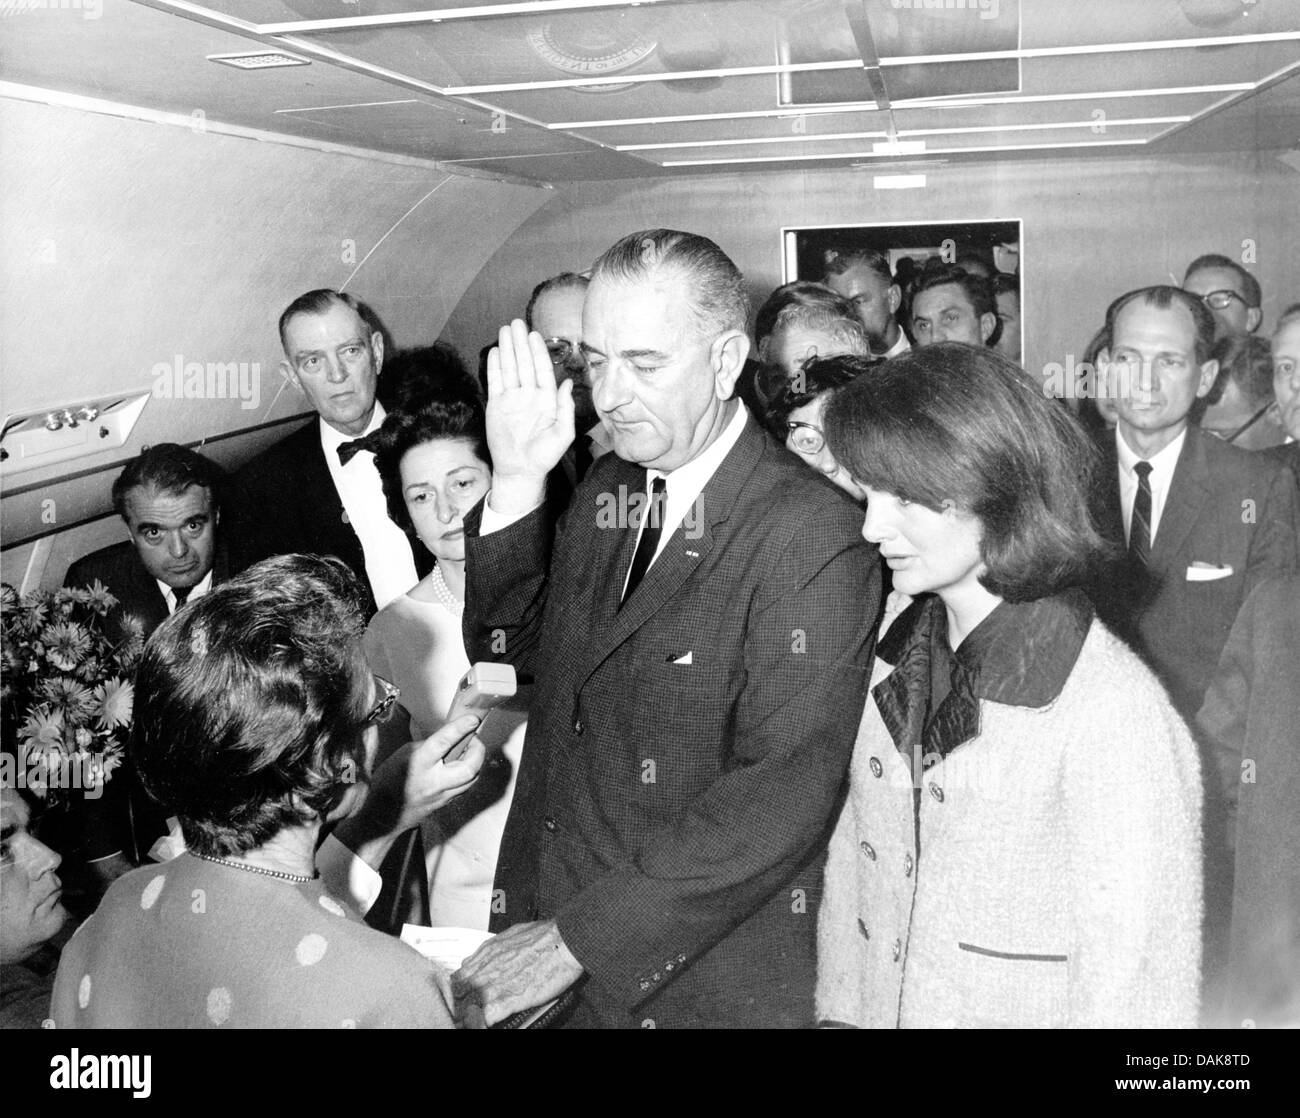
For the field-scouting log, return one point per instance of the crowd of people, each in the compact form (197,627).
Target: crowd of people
(863,681)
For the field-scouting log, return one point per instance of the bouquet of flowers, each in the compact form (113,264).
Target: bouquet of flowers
(65,690)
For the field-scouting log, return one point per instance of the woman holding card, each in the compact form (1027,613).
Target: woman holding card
(434,463)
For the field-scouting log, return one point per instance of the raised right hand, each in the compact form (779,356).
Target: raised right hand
(529,418)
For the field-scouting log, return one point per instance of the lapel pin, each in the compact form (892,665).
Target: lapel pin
(692,554)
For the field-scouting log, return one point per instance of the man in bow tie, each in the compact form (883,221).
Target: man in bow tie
(317,491)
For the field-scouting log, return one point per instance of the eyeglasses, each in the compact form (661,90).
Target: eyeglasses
(565,352)
(1227,438)
(805,438)
(383,709)
(1222,300)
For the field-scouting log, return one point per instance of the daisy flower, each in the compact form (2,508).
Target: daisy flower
(69,697)
(65,644)
(115,700)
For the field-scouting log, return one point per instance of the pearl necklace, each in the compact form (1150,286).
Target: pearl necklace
(443,592)
(295,877)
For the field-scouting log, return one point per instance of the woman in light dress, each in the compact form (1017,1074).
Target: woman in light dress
(434,463)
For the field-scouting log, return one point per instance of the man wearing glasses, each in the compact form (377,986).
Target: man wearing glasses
(555,311)
(1231,293)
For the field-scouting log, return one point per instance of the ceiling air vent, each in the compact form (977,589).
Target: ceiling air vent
(259,60)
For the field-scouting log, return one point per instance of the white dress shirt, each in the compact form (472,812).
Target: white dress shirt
(1162,475)
(196,591)
(390,566)
(684,486)
(900,346)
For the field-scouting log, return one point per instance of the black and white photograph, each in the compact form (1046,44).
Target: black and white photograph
(651,514)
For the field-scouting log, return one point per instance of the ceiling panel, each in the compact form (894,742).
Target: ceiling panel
(794,125)
(605,70)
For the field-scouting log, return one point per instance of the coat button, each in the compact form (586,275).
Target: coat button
(863,929)
(868,850)
(936,791)
(548,823)
(577,726)
(876,767)
(907,865)
(898,949)
(347,519)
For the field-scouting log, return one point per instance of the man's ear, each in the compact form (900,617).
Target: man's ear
(988,323)
(290,374)
(895,298)
(377,348)
(1253,317)
(1209,374)
(727,356)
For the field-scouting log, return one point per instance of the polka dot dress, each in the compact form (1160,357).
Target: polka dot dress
(193,944)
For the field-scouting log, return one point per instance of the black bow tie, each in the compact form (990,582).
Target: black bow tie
(348,451)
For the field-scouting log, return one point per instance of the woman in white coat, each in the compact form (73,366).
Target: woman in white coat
(1020,845)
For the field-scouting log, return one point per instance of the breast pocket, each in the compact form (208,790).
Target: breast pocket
(1004,989)
(679,728)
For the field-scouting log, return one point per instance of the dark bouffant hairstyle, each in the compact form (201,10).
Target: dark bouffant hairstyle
(251,703)
(820,375)
(953,425)
(453,411)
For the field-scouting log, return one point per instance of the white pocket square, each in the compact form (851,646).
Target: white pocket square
(684,658)
(1206,572)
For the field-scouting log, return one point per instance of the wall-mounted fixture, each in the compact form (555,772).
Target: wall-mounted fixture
(59,434)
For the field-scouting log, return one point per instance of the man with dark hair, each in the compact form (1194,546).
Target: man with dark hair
(699,627)
(1199,522)
(949,304)
(168,499)
(168,496)
(1242,396)
(317,491)
(555,311)
(1231,293)
(863,277)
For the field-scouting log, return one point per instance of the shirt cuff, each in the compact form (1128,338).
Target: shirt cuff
(347,877)
(493,521)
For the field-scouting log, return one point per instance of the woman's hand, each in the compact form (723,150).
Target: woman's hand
(529,419)
(414,781)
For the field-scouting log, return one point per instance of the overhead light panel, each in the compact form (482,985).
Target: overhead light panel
(259,60)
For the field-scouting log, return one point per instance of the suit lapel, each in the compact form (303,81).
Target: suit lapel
(679,557)
(1187,493)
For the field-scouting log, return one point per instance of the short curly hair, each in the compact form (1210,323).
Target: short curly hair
(251,703)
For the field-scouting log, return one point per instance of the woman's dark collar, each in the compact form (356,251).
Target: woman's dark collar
(1020,655)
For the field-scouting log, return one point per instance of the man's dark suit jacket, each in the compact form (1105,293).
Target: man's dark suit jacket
(672,816)
(284,501)
(1226,508)
(125,818)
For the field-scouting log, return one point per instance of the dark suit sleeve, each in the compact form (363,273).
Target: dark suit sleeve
(246,537)
(1273,550)
(506,583)
(806,654)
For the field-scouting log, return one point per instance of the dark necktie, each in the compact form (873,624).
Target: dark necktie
(648,544)
(181,594)
(581,457)
(1139,533)
(348,451)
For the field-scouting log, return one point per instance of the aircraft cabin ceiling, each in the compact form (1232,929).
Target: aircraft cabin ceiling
(565,90)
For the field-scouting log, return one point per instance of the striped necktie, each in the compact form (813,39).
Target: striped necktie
(1139,533)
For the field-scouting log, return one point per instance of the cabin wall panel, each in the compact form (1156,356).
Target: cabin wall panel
(1092,230)
(132,244)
